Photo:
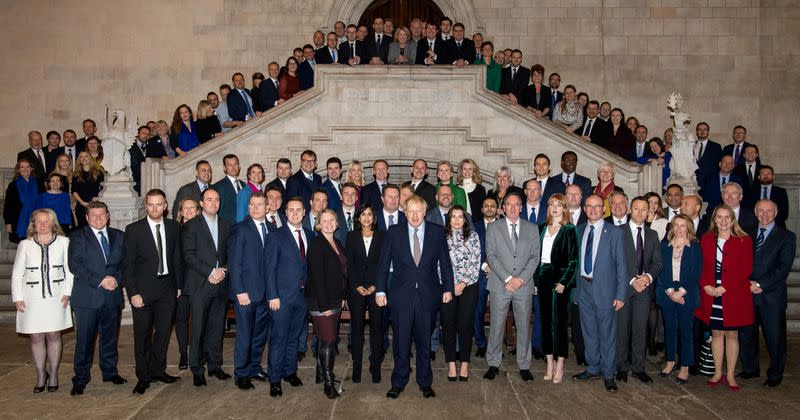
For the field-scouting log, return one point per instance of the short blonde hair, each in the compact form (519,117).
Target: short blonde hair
(607,165)
(204,110)
(404,29)
(318,225)
(55,229)
(415,199)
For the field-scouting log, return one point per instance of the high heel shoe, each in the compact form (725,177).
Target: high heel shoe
(712,384)
(558,375)
(733,388)
(451,378)
(548,375)
(463,378)
(53,388)
(40,389)
(665,374)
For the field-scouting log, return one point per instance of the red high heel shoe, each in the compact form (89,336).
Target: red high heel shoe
(712,384)
(733,388)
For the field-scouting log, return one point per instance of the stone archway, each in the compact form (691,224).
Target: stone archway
(350,11)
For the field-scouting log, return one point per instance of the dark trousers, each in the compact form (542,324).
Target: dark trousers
(575,332)
(458,317)
(152,326)
(182,312)
(252,325)
(208,327)
(359,305)
(554,310)
(772,320)
(678,321)
(411,323)
(480,313)
(283,338)
(88,323)
(632,332)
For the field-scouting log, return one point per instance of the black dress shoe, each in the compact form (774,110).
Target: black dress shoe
(463,378)
(275,389)
(141,387)
(491,373)
(622,376)
(611,386)
(538,354)
(219,374)
(584,376)
(116,380)
(165,378)
(293,380)
(40,389)
(260,376)
(394,392)
(580,361)
(643,377)
(199,379)
(427,392)
(433,356)
(183,364)
(244,383)
(680,381)
(376,374)
(772,383)
(480,353)
(300,356)
(452,378)
(77,389)
(52,388)
(747,375)
(526,375)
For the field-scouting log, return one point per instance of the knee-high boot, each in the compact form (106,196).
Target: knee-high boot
(327,353)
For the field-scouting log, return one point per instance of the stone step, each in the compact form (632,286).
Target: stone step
(793,325)
(793,310)
(8,313)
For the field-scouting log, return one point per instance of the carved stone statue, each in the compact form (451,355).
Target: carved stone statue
(118,133)
(683,165)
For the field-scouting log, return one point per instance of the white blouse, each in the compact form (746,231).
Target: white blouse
(367,242)
(547,245)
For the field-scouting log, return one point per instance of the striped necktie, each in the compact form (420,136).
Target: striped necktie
(760,240)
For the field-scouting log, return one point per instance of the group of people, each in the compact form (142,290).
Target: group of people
(424,260)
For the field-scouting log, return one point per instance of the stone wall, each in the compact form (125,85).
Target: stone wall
(736,61)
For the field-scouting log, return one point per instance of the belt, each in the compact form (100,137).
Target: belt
(588,279)
(162,276)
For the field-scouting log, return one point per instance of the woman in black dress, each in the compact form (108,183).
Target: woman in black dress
(469,179)
(85,185)
(207,124)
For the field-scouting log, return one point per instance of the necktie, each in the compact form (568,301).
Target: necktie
(587,256)
(391,220)
(214,233)
(513,74)
(514,236)
(349,222)
(380,187)
(334,56)
(700,153)
(203,187)
(39,156)
(273,221)
(264,232)
(444,219)
(301,244)
(105,245)
(764,194)
(160,249)
(724,180)
(639,252)
(430,45)
(591,124)
(352,49)
(236,186)
(760,240)
(379,40)
(71,160)
(458,44)
(246,98)
(339,187)
(417,247)
(736,155)
(750,172)
(277,84)
(638,150)
(568,182)
(674,213)
(532,216)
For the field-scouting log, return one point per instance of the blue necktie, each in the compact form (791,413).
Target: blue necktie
(105,245)
(532,216)
(587,256)
(263,233)
(391,220)
(760,240)
(246,98)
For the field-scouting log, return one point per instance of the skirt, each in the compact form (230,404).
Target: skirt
(42,316)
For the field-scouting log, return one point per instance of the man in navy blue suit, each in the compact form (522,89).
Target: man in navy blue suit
(329,53)
(352,51)
(489,209)
(305,72)
(569,163)
(377,42)
(736,149)
(708,152)
(414,249)
(602,288)
(228,187)
(372,192)
(535,209)
(333,185)
(390,213)
(251,263)
(240,104)
(268,91)
(711,187)
(305,181)
(95,258)
(549,184)
(286,298)
(767,190)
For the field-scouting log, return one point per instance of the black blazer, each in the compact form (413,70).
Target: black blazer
(428,193)
(39,171)
(140,264)
(202,257)
(601,131)
(519,83)
(326,285)
(527,98)
(371,193)
(709,162)
(563,258)
(188,190)
(323,56)
(88,265)
(773,265)
(375,50)
(361,50)
(731,148)
(362,268)
(652,254)
(741,172)
(465,52)
(155,149)
(207,128)
(440,48)
(475,199)
(777,194)
(279,185)
(267,95)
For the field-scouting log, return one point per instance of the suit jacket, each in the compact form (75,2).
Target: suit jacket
(563,258)
(505,260)
(409,280)
(140,263)
(277,183)
(527,97)
(188,190)
(345,52)
(465,52)
(691,263)
(237,107)
(776,194)
(307,225)
(434,215)
(771,267)
(375,50)
(227,198)
(581,181)
(251,263)
(401,218)
(709,161)
(610,281)
(327,285)
(541,212)
(323,56)
(334,200)
(428,193)
(268,95)
(410,52)
(519,83)
(155,149)
(371,193)
(342,232)
(711,191)
(305,74)
(440,49)
(746,219)
(201,256)
(554,185)
(747,183)
(362,267)
(737,266)
(51,157)
(89,267)
(559,97)
(729,149)
(652,256)
(138,157)
(601,131)
(290,272)
(39,169)
(299,186)
(480,228)
(475,199)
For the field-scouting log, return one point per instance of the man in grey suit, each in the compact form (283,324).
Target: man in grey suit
(602,288)
(643,258)
(512,250)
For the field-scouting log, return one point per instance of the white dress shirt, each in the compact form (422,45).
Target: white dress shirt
(163,234)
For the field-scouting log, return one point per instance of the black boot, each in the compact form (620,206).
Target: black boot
(320,362)
(327,355)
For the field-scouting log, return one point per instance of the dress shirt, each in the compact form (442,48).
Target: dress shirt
(587,128)
(750,170)
(420,234)
(312,220)
(543,181)
(530,207)
(672,212)
(97,236)
(223,116)
(71,151)
(484,264)
(302,233)
(510,235)
(211,222)
(201,185)
(309,176)
(351,212)
(568,178)
(639,149)
(696,222)
(547,245)
(235,182)
(618,221)
(163,234)
(394,215)
(598,230)
(258,228)
(274,216)
(724,179)
(634,228)
(766,232)
(702,144)
(736,212)
(761,191)
(574,215)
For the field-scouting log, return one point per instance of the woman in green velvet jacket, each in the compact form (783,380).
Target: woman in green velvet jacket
(493,69)
(444,172)
(554,281)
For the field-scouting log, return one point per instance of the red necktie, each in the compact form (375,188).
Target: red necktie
(301,245)
(272,220)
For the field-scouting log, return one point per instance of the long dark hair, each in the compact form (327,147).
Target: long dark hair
(464,230)
(357,217)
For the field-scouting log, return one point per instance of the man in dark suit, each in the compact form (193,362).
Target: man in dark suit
(594,128)
(329,54)
(736,149)
(569,163)
(352,51)
(372,192)
(153,277)
(432,49)
(138,154)
(275,213)
(708,152)
(643,258)
(773,252)
(673,197)
(268,91)
(554,81)
(390,213)
(489,211)
(193,189)
(376,42)
(574,197)
(767,190)
(748,172)
(318,203)
(534,210)
(549,184)
(70,147)
(421,187)
(444,202)
(601,291)
(251,264)
(640,151)
(240,103)
(286,298)
(95,259)
(618,204)
(228,187)
(283,170)
(333,185)
(515,77)
(205,251)
(305,72)
(414,249)
(691,206)
(305,181)
(711,186)
(35,154)
(462,49)
(577,216)
(347,212)
(732,195)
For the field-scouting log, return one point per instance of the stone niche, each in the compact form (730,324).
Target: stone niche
(399,114)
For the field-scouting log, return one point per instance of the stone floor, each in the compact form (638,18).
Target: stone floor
(505,397)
